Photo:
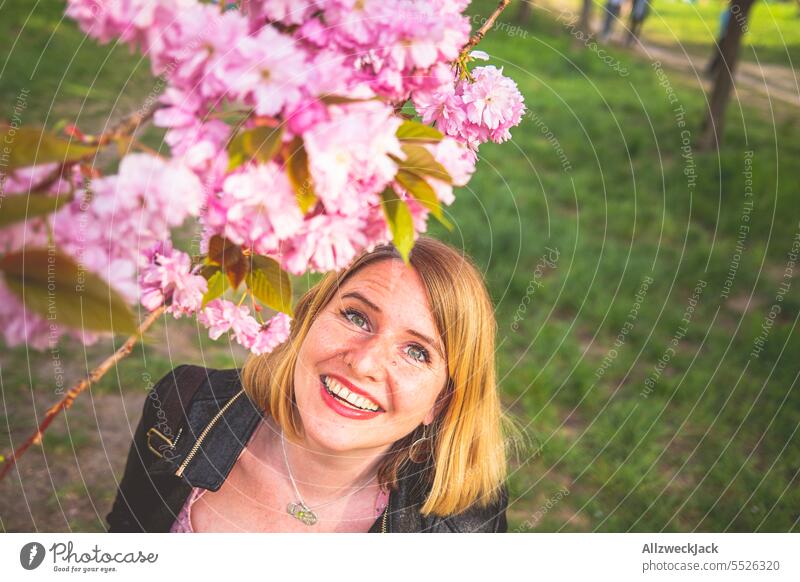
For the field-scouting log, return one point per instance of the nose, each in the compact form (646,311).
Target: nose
(370,355)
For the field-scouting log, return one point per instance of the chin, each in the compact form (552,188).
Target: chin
(331,434)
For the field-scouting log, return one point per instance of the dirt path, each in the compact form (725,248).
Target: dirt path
(69,483)
(766,82)
(774,82)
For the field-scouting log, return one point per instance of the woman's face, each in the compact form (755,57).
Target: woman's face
(377,339)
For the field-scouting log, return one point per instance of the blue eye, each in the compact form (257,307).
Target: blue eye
(353,316)
(425,356)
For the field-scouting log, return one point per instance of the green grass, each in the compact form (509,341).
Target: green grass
(773,36)
(63,76)
(632,462)
(714,445)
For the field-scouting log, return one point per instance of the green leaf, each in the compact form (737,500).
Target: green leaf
(414,131)
(28,146)
(217,284)
(398,216)
(236,152)
(270,284)
(265,142)
(260,143)
(228,255)
(299,175)
(53,285)
(24,207)
(422,191)
(421,161)
(208,269)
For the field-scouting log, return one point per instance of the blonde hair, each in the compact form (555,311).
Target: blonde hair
(469,459)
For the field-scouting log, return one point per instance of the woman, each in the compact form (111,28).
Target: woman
(379,413)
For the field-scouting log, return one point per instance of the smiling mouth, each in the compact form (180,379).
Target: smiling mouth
(348,398)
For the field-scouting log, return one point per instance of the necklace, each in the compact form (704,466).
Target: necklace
(300,510)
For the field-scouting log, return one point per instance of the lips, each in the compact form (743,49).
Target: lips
(347,406)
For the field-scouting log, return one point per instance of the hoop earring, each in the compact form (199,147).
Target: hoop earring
(421,449)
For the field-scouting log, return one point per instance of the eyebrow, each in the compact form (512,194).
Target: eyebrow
(422,336)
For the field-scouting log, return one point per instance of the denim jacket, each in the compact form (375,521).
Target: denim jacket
(167,459)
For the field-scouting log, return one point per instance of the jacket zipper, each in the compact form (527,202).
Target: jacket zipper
(177,438)
(385,515)
(205,432)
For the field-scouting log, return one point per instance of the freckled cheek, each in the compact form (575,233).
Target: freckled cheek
(413,398)
(322,341)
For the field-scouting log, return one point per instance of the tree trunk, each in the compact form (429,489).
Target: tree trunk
(525,11)
(584,23)
(711,135)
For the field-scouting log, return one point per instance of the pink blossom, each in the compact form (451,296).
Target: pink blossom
(473,111)
(222,316)
(422,33)
(201,148)
(492,102)
(267,71)
(349,156)
(169,186)
(137,22)
(179,108)
(305,114)
(272,334)
(257,207)
(30,233)
(459,161)
(20,326)
(168,278)
(32,179)
(352,23)
(314,31)
(443,107)
(286,11)
(326,242)
(198,46)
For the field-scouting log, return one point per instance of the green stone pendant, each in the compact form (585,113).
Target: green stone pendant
(301,512)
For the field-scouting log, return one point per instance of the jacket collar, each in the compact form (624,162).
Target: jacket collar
(219,422)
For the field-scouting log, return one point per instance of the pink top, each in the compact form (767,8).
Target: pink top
(183,524)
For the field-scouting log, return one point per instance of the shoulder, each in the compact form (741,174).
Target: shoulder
(178,387)
(490,518)
(477,518)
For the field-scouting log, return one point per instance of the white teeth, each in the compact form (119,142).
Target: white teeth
(352,398)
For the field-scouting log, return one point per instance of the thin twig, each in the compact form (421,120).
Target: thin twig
(478,36)
(128,125)
(72,393)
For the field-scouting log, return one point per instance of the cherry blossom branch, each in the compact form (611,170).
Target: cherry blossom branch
(128,125)
(124,128)
(72,393)
(478,36)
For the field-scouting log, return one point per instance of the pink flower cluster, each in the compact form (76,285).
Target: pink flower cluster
(327,74)
(474,111)
(107,228)
(222,316)
(169,278)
